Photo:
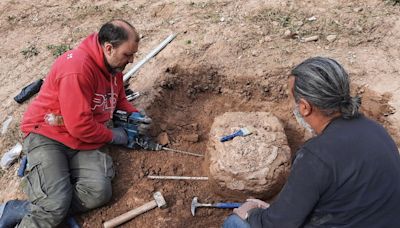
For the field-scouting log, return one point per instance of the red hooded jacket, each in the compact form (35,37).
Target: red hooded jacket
(77,99)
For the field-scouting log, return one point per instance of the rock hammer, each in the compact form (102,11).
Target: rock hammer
(158,201)
(196,204)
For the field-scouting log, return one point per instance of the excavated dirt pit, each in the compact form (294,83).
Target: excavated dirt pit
(186,101)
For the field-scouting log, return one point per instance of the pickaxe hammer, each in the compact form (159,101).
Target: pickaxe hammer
(196,204)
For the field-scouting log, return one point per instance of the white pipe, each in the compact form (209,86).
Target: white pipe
(149,56)
(176,178)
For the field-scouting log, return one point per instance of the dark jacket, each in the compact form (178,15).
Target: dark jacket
(348,176)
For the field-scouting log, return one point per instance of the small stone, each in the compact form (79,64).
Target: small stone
(191,138)
(267,39)
(313,18)
(358,9)
(287,34)
(311,38)
(298,23)
(163,138)
(254,53)
(275,23)
(222,19)
(331,38)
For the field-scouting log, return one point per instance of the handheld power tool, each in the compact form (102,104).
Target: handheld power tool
(130,122)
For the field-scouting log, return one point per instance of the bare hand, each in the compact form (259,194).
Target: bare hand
(243,210)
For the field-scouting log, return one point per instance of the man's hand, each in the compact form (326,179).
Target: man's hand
(119,136)
(243,210)
(145,123)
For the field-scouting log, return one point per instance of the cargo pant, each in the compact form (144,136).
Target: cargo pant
(62,181)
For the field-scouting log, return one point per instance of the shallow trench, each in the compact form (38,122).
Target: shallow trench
(186,102)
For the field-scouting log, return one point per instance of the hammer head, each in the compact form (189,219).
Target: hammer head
(159,200)
(194,205)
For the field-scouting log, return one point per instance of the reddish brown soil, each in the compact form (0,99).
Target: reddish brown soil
(228,56)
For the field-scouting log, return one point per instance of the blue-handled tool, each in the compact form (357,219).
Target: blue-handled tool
(196,204)
(241,132)
(22,166)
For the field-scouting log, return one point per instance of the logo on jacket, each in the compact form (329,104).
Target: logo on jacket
(69,56)
(104,102)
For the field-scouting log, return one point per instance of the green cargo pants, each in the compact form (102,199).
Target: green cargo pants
(61,181)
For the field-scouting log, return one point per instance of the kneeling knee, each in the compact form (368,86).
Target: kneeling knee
(96,194)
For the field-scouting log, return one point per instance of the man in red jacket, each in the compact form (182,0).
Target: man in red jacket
(65,127)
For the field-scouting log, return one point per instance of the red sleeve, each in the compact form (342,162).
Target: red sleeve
(75,96)
(123,103)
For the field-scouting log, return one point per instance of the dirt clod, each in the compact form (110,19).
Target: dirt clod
(163,139)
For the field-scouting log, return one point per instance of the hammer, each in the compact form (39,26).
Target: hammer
(158,201)
(196,204)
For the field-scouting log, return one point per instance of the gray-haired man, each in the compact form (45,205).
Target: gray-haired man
(346,176)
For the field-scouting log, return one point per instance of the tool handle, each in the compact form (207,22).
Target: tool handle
(230,137)
(227,205)
(22,166)
(130,215)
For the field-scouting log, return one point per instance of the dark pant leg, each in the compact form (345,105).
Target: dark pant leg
(47,183)
(91,175)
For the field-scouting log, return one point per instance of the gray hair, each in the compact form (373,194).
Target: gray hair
(325,84)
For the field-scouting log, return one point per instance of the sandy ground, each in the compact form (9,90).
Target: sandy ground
(228,56)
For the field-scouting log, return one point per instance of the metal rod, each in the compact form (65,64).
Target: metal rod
(176,178)
(182,152)
(149,56)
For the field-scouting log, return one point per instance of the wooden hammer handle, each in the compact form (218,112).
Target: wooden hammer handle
(130,215)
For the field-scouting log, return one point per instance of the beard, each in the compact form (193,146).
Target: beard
(301,121)
(114,69)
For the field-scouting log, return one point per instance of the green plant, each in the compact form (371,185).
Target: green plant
(395,2)
(58,50)
(30,51)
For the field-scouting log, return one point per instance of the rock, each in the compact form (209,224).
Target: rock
(298,23)
(311,38)
(222,19)
(331,38)
(288,33)
(358,9)
(313,18)
(163,138)
(267,39)
(191,138)
(254,165)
